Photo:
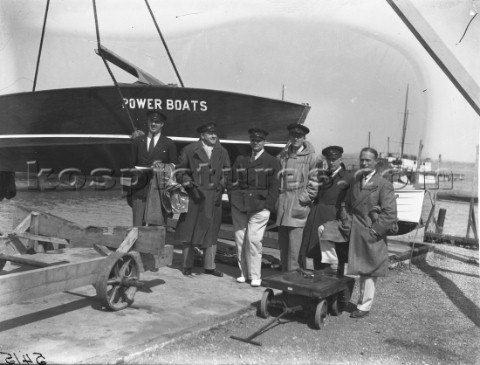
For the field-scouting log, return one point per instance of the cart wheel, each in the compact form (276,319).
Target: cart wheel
(117,281)
(335,307)
(266,300)
(320,314)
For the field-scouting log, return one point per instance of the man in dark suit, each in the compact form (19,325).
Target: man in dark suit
(148,152)
(332,191)
(203,170)
(371,203)
(253,193)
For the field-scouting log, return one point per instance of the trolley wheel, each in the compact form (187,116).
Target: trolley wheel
(118,281)
(335,306)
(266,300)
(320,314)
(343,299)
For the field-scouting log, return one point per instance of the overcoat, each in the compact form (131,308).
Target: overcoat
(200,225)
(254,184)
(368,253)
(298,185)
(164,151)
(326,207)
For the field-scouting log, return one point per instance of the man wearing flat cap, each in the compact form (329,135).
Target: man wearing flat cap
(203,170)
(334,182)
(298,188)
(253,192)
(149,151)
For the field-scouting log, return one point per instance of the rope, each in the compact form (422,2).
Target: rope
(164,43)
(117,87)
(41,45)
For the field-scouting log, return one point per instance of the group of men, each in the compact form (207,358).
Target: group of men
(326,214)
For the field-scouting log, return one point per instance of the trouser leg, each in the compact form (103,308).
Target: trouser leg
(209,257)
(283,246)
(295,238)
(240,221)
(188,255)
(256,228)
(367,292)
(329,255)
(138,211)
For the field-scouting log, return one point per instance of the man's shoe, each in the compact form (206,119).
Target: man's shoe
(359,314)
(187,271)
(214,272)
(256,282)
(241,279)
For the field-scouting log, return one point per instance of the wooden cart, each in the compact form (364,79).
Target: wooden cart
(64,258)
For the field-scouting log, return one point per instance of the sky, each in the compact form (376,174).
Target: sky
(350,60)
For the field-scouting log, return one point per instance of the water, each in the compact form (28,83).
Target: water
(88,207)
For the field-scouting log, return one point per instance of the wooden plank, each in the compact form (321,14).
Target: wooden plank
(24,225)
(37,237)
(51,225)
(128,242)
(41,282)
(435,47)
(150,239)
(28,260)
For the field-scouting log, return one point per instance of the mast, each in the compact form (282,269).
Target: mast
(405,118)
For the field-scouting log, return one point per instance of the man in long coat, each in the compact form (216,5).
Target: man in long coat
(253,194)
(149,151)
(203,166)
(371,203)
(298,188)
(332,191)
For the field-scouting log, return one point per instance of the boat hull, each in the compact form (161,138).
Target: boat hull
(88,128)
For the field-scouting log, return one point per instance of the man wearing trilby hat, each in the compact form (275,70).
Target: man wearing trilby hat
(202,168)
(253,193)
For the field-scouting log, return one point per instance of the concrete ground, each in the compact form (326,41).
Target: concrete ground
(71,327)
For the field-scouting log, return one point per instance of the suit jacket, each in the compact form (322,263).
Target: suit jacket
(326,207)
(368,253)
(164,151)
(254,185)
(200,225)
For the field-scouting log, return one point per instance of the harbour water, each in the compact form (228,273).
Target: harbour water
(90,207)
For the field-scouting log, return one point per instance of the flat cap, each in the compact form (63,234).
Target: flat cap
(258,133)
(156,112)
(332,152)
(210,127)
(298,128)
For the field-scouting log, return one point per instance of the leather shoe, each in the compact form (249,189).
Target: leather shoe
(187,271)
(359,314)
(214,272)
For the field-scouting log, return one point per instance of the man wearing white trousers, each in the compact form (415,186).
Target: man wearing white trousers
(253,192)
(371,203)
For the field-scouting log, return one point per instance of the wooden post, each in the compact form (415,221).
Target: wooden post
(472,222)
(441,220)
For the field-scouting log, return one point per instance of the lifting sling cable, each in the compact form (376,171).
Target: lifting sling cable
(108,67)
(164,43)
(41,45)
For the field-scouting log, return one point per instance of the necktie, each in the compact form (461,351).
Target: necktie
(151,146)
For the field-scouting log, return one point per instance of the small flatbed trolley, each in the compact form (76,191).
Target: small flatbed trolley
(303,290)
(309,291)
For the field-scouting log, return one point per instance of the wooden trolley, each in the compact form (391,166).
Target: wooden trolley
(125,252)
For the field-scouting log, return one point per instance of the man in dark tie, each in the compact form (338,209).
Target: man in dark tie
(203,170)
(148,152)
(372,206)
(253,192)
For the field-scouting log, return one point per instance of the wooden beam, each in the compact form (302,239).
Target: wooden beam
(28,260)
(435,47)
(41,282)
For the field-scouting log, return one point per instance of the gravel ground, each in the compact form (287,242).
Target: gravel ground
(426,314)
